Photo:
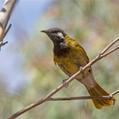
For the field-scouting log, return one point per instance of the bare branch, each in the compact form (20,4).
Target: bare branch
(5,14)
(79,98)
(104,55)
(85,97)
(7,30)
(2,44)
(114,93)
(109,46)
(48,97)
(6,11)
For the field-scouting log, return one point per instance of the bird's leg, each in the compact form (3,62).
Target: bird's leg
(81,77)
(81,68)
(66,85)
(82,73)
(66,79)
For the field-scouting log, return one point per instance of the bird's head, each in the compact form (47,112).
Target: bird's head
(57,35)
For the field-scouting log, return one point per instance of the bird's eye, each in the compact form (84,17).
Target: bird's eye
(59,34)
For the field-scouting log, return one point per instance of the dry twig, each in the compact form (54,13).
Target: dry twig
(48,97)
(5,14)
(84,97)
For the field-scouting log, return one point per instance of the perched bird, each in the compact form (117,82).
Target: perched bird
(70,56)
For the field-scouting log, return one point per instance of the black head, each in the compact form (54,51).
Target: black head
(55,34)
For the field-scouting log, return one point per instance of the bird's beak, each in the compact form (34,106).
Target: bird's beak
(44,31)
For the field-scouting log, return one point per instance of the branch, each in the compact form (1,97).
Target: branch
(85,97)
(109,46)
(5,14)
(48,97)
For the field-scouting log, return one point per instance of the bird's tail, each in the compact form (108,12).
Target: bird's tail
(98,91)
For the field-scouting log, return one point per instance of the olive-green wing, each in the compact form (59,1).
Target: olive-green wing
(78,52)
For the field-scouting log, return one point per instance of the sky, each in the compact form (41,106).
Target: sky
(25,15)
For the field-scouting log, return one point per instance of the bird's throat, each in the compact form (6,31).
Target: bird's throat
(60,50)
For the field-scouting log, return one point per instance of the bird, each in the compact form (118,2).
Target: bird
(70,56)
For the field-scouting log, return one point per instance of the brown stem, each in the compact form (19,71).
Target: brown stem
(78,98)
(5,14)
(109,46)
(84,97)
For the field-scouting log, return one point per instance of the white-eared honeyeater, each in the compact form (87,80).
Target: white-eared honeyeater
(70,56)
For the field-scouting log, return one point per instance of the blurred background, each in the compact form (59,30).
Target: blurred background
(27,70)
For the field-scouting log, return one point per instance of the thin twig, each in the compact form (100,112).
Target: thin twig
(79,98)
(2,44)
(5,14)
(84,97)
(114,93)
(4,34)
(58,88)
(7,29)
(109,46)
(104,55)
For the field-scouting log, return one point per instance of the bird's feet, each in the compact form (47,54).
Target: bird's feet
(81,68)
(66,85)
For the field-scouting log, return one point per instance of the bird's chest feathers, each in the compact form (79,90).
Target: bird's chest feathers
(67,62)
(70,59)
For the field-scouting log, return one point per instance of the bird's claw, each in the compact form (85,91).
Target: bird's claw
(81,68)
(66,85)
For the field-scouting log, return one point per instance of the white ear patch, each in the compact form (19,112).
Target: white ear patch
(60,35)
